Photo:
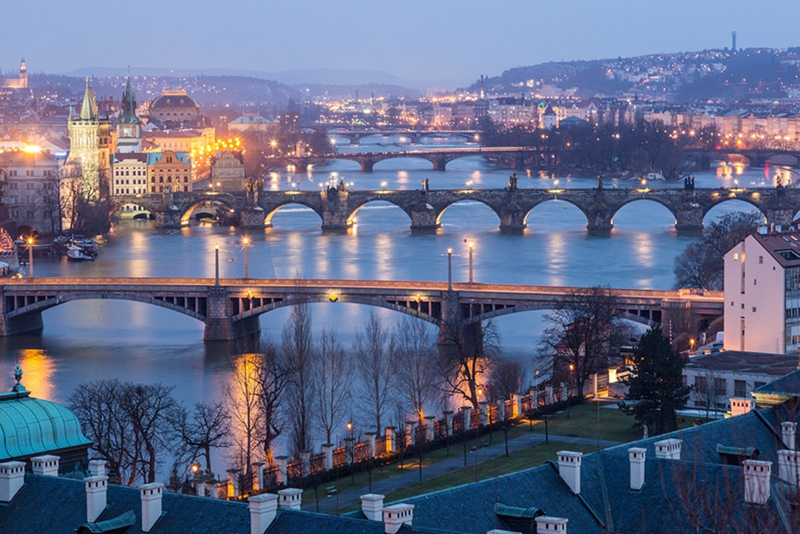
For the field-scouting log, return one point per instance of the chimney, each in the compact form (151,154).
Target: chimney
(637,457)
(151,504)
(789,466)
(569,469)
(499,531)
(547,525)
(97,468)
(740,406)
(263,509)
(397,515)
(788,432)
(46,465)
(12,477)
(96,496)
(756,481)
(668,449)
(372,506)
(290,498)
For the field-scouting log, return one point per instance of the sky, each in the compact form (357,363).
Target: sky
(444,42)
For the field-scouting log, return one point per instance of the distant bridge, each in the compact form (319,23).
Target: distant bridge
(414,136)
(338,208)
(230,307)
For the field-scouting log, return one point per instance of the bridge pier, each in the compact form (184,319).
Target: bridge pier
(512,219)
(423,217)
(367,165)
(599,221)
(168,218)
(335,210)
(23,324)
(457,339)
(689,217)
(440,164)
(780,216)
(252,217)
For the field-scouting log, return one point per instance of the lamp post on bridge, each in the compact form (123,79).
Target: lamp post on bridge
(245,243)
(30,256)
(469,246)
(449,269)
(216,265)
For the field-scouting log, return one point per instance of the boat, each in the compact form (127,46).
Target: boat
(78,253)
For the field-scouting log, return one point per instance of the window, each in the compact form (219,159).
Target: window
(761,259)
(739,388)
(754,309)
(735,255)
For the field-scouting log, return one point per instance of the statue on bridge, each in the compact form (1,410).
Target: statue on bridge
(599,181)
(688,183)
(512,182)
(341,187)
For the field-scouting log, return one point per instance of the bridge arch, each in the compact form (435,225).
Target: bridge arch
(727,202)
(462,201)
(404,155)
(217,207)
(379,202)
(46,304)
(553,204)
(271,210)
(645,200)
(121,202)
(348,299)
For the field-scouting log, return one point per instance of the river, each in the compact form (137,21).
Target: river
(89,340)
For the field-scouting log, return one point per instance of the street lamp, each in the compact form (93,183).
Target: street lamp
(449,269)
(469,246)
(383,185)
(30,256)
(569,384)
(245,243)
(216,265)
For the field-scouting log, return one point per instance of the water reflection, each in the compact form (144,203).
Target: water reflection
(38,372)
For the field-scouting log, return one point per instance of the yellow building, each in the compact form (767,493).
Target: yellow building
(169,170)
(227,171)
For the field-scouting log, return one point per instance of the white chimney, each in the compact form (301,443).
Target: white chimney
(151,504)
(756,481)
(46,465)
(397,515)
(789,466)
(740,406)
(547,525)
(263,509)
(569,469)
(499,531)
(668,449)
(12,477)
(637,457)
(788,432)
(290,498)
(97,468)
(96,496)
(372,506)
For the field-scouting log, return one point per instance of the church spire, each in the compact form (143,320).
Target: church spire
(129,105)
(89,106)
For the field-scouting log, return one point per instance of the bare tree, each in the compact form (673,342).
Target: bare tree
(298,347)
(506,379)
(375,368)
(414,353)
(242,391)
(580,333)
(466,357)
(710,388)
(147,407)
(207,426)
(273,373)
(333,381)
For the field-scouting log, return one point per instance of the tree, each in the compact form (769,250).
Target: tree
(581,332)
(710,389)
(656,384)
(507,378)
(466,357)
(242,391)
(207,426)
(375,368)
(298,348)
(702,264)
(414,353)
(273,373)
(332,378)
(147,407)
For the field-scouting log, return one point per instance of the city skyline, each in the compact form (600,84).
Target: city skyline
(446,43)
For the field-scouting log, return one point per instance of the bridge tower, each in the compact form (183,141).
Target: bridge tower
(335,209)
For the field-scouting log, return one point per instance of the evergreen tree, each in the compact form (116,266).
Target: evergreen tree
(656,384)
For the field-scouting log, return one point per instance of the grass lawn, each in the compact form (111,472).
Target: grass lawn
(582,423)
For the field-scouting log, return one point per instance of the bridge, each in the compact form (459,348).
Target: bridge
(338,207)
(414,136)
(230,307)
(517,157)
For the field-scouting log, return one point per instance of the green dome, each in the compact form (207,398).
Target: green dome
(31,427)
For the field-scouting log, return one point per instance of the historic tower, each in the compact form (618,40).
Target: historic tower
(129,127)
(23,75)
(89,152)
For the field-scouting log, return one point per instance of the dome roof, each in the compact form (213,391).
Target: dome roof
(174,99)
(29,427)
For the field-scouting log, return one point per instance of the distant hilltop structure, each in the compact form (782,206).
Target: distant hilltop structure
(17,83)
(733,41)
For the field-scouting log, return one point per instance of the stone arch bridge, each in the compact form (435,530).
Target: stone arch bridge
(338,208)
(230,308)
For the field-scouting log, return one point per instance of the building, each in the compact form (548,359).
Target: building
(129,127)
(250,122)
(175,109)
(90,147)
(20,82)
(169,171)
(32,427)
(32,178)
(227,171)
(762,293)
(129,174)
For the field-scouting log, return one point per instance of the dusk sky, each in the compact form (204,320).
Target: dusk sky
(436,41)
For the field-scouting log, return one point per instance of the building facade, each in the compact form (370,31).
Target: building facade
(90,147)
(129,174)
(169,171)
(227,171)
(32,179)
(129,127)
